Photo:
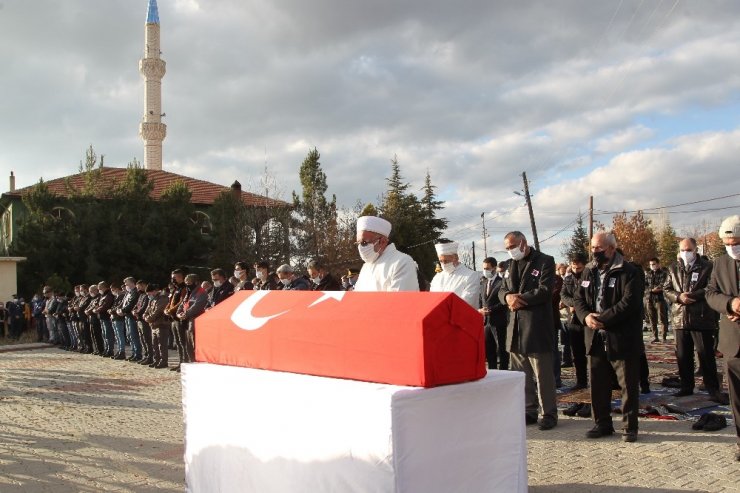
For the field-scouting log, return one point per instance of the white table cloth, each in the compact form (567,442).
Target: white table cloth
(249,430)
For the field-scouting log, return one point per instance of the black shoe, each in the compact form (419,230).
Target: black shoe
(579,386)
(566,365)
(719,397)
(177,368)
(120,356)
(699,425)
(598,432)
(547,423)
(152,365)
(655,340)
(683,393)
(715,422)
(645,388)
(134,359)
(146,361)
(629,436)
(573,409)
(530,420)
(161,365)
(584,412)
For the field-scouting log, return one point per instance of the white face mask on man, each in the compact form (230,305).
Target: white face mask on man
(449,267)
(733,251)
(516,253)
(368,253)
(688,257)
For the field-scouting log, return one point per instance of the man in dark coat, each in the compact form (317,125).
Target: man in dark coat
(723,295)
(609,303)
(494,316)
(321,278)
(222,288)
(291,281)
(527,291)
(692,320)
(574,325)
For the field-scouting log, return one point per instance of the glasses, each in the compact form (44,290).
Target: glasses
(365,243)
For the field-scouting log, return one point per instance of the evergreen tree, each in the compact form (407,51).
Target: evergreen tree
(667,245)
(315,222)
(579,241)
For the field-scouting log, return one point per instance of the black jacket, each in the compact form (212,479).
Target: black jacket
(697,315)
(489,299)
(529,330)
(327,283)
(220,293)
(622,307)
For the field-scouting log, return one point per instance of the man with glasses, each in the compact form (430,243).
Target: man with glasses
(385,268)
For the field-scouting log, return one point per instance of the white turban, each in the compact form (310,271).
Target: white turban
(374,224)
(446,248)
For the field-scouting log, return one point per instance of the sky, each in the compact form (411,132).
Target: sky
(633,102)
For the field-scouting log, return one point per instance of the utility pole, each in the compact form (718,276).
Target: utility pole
(590,217)
(531,213)
(485,234)
(474,264)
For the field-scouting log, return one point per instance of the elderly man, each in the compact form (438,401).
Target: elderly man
(692,320)
(723,294)
(455,277)
(527,291)
(385,268)
(290,281)
(609,303)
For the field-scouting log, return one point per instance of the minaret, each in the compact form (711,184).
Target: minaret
(152,130)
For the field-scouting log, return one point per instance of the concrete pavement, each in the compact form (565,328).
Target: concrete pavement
(72,422)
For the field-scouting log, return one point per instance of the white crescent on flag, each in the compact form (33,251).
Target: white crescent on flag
(243,317)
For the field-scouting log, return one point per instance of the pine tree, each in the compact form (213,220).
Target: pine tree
(315,224)
(667,245)
(579,241)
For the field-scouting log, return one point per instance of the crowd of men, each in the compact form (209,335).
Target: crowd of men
(605,301)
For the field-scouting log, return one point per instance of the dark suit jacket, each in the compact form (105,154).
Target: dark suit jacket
(622,307)
(530,328)
(327,283)
(722,287)
(489,299)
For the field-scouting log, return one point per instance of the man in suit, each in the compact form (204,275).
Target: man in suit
(609,302)
(692,320)
(723,295)
(527,291)
(494,316)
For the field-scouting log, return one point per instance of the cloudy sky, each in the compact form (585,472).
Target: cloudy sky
(635,102)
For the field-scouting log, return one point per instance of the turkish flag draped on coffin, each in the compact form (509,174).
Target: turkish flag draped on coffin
(405,338)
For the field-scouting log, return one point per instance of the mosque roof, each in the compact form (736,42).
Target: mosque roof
(202,192)
(152,13)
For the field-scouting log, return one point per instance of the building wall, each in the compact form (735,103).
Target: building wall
(8,278)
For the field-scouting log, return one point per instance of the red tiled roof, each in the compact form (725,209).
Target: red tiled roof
(203,192)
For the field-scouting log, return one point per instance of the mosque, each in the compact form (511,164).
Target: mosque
(153,132)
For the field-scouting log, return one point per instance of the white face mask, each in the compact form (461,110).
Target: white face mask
(238,274)
(449,267)
(733,251)
(285,281)
(217,284)
(316,280)
(687,257)
(488,274)
(368,253)
(516,253)
(261,275)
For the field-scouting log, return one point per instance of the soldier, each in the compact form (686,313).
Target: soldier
(350,278)
(655,302)
(160,325)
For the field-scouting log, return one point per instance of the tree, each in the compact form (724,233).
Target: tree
(578,243)
(635,237)
(315,221)
(667,244)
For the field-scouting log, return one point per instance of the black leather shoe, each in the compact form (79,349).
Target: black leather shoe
(645,388)
(699,425)
(598,432)
(548,423)
(579,386)
(120,356)
(585,411)
(161,365)
(629,436)
(715,422)
(146,361)
(530,420)
(683,393)
(573,409)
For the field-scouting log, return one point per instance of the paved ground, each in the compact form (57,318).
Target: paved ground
(80,423)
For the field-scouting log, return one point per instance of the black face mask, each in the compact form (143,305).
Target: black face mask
(601,257)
